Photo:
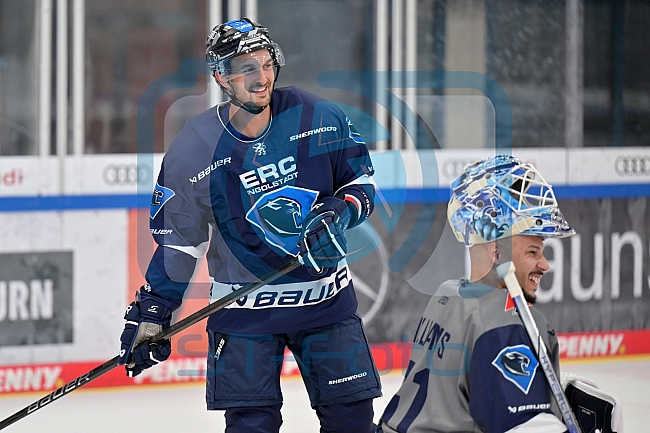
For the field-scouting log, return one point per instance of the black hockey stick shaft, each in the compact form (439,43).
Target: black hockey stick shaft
(507,272)
(167,333)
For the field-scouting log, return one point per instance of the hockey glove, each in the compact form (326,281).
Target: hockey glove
(595,410)
(322,241)
(145,317)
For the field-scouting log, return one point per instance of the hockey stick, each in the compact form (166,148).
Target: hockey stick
(172,330)
(507,272)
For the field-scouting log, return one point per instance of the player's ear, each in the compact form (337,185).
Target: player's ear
(221,79)
(494,252)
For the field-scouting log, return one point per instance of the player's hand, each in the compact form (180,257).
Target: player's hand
(145,317)
(322,240)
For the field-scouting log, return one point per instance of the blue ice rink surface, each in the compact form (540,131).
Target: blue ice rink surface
(181,408)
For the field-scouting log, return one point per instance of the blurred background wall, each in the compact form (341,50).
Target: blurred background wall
(576,72)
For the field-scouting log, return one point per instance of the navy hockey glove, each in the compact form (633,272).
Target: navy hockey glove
(145,317)
(322,240)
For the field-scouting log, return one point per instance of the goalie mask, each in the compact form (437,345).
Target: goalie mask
(500,197)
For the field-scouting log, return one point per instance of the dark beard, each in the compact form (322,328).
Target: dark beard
(529,299)
(249,106)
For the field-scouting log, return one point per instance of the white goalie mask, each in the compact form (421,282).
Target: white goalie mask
(500,197)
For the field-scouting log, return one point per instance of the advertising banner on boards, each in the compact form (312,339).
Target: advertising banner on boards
(36,298)
(598,279)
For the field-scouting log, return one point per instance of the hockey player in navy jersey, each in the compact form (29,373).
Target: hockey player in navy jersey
(269,175)
(472,368)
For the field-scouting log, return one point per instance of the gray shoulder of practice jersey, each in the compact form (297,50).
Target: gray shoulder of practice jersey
(449,288)
(464,289)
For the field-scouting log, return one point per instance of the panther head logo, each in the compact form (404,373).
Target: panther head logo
(516,363)
(281,216)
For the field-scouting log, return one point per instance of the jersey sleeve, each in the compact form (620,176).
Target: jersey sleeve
(508,388)
(179,220)
(353,172)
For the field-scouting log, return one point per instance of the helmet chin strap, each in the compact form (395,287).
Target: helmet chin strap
(248,106)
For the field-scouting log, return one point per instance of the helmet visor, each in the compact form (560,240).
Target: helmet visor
(252,63)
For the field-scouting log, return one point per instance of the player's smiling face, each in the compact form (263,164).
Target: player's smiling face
(530,263)
(252,77)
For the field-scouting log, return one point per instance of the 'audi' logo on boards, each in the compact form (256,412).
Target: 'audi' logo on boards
(125,174)
(632,165)
(452,168)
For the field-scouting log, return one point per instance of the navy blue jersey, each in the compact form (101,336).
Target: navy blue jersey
(472,368)
(241,201)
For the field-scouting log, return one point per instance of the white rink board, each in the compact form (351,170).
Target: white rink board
(559,166)
(98,237)
(27,176)
(132,174)
(98,240)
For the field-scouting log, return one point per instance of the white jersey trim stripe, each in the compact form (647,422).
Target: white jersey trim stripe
(196,252)
(361,180)
(358,205)
(287,295)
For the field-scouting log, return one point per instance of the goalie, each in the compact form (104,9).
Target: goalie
(472,367)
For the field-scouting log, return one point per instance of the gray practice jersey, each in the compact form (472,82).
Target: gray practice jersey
(472,368)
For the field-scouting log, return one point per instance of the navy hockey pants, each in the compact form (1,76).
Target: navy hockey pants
(354,417)
(243,377)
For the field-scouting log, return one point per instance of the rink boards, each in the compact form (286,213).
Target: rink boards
(75,241)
